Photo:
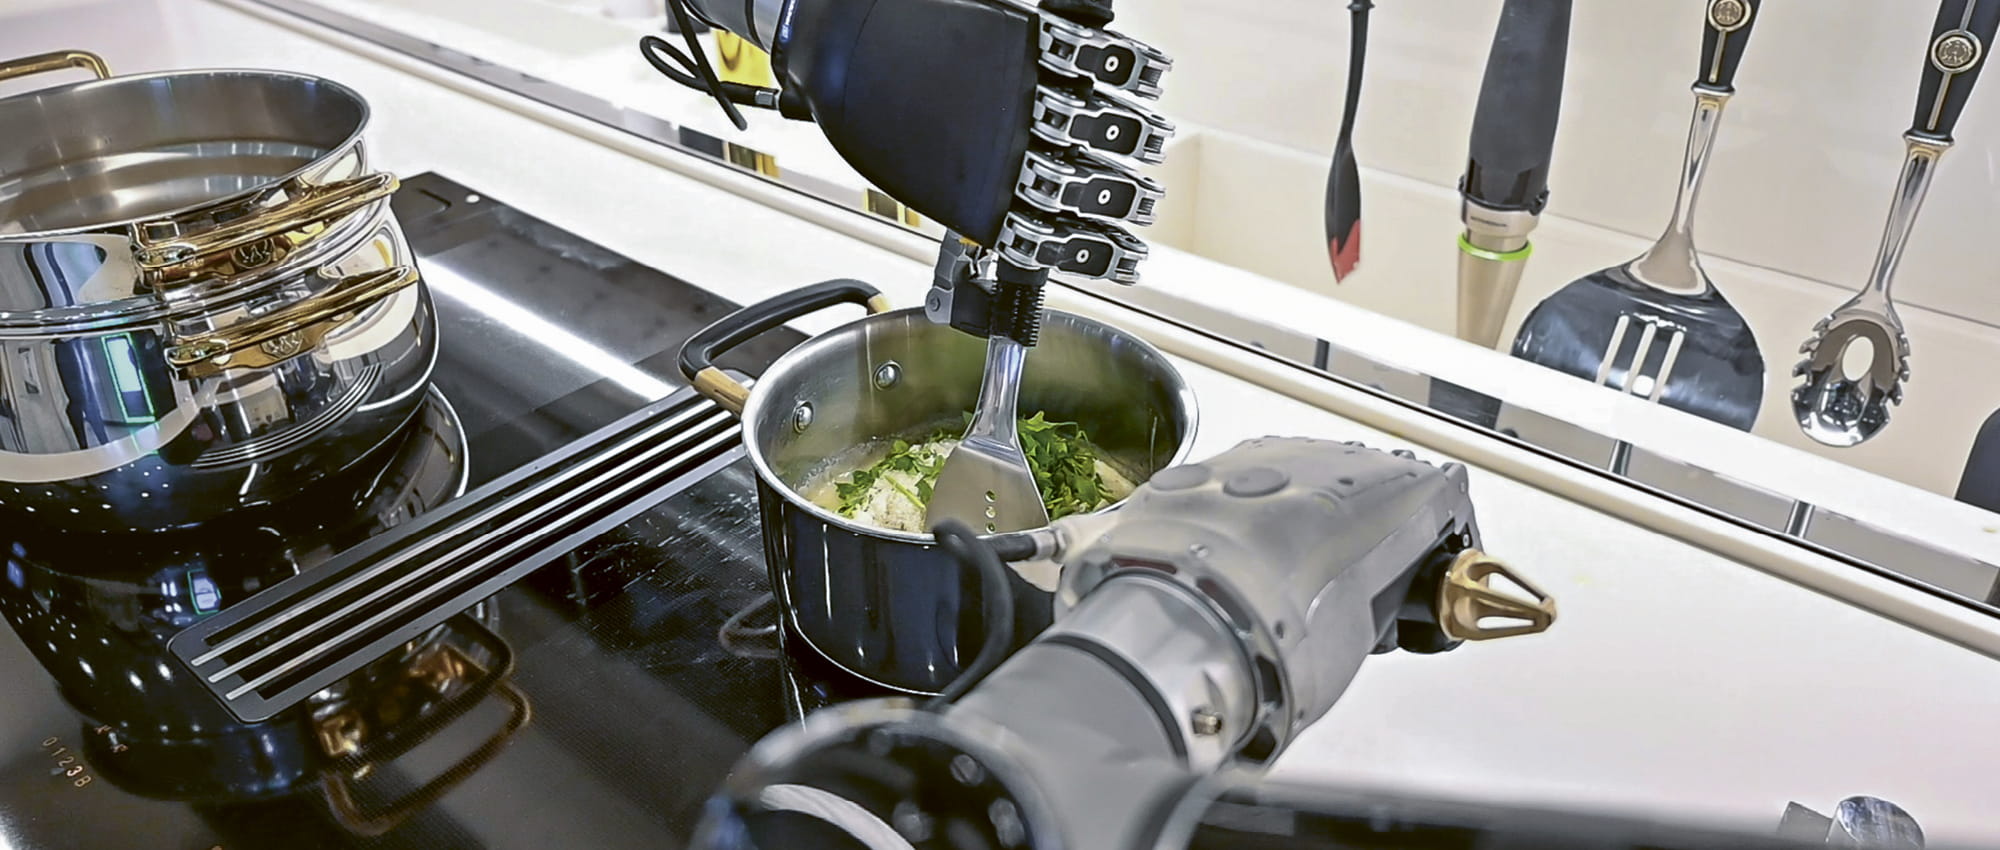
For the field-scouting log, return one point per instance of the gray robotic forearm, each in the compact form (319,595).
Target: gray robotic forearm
(1220,611)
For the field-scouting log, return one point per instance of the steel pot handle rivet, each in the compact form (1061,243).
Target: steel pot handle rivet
(887,374)
(802,417)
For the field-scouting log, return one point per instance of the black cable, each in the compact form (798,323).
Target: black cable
(1014,545)
(694,70)
(996,607)
(651,46)
(733,631)
(699,59)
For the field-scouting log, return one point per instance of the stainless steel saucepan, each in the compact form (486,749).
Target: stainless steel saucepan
(205,301)
(886,605)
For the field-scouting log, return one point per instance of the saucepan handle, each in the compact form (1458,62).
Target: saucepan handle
(488,679)
(699,353)
(295,215)
(45,62)
(283,334)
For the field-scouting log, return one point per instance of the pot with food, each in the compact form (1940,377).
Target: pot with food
(849,430)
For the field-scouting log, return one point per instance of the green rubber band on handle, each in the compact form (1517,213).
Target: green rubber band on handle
(1520,253)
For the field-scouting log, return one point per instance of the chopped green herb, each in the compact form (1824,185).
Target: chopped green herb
(1065,466)
(1063,460)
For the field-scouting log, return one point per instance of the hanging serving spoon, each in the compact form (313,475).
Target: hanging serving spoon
(1842,407)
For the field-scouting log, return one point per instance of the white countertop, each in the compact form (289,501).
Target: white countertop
(1676,680)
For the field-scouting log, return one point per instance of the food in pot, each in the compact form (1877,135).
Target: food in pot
(893,490)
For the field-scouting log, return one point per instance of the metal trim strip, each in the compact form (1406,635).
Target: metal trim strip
(264,655)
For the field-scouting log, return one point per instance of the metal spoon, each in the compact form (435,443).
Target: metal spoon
(1657,327)
(986,482)
(1842,409)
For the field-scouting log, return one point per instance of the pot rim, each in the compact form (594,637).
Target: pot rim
(804,352)
(353,136)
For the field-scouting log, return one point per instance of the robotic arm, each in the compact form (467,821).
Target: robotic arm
(1200,627)
(1012,125)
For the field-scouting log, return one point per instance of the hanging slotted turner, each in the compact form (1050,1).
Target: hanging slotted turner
(1656,327)
(1842,409)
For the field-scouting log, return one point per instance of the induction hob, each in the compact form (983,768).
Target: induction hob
(592,703)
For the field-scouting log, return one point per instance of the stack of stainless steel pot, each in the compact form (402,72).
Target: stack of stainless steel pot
(205,301)
(885,605)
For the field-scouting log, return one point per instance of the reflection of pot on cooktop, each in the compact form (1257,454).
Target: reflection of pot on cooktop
(97,612)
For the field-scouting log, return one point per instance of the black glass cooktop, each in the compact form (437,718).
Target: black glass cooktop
(592,704)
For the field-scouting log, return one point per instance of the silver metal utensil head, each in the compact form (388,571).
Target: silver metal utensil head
(1657,327)
(1841,409)
(986,482)
(1645,364)
(1839,406)
(1688,351)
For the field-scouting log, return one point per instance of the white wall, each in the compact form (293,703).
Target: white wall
(1790,217)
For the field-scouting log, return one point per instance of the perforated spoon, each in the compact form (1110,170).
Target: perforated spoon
(1834,406)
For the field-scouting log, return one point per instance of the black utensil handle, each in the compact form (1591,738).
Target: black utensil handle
(1343,189)
(1957,51)
(1726,32)
(1357,62)
(1514,127)
(700,351)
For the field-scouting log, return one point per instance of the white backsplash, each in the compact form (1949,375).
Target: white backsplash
(1789,220)
(1804,166)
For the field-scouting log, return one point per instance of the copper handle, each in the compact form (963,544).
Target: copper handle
(288,332)
(371,821)
(57,61)
(259,239)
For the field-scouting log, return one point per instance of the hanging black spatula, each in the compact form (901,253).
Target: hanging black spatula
(1343,182)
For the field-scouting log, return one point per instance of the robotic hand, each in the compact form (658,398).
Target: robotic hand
(1201,626)
(1011,125)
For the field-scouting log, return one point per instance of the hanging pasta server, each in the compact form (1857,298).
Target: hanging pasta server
(1833,406)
